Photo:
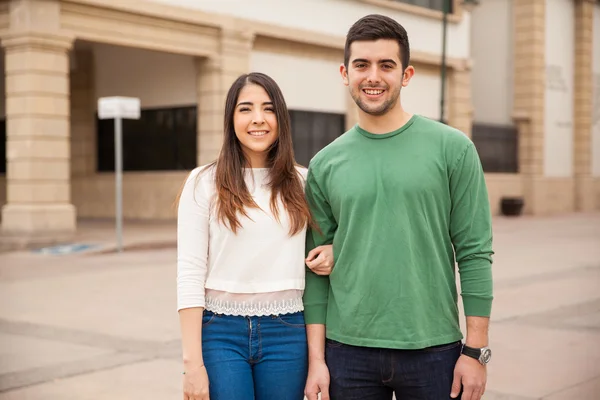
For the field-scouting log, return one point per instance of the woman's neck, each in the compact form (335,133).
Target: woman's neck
(256,161)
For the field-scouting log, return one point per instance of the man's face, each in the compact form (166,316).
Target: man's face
(374,75)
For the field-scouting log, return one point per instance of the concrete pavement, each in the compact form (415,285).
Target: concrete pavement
(102,325)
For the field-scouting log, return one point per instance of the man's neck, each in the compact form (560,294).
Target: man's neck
(393,120)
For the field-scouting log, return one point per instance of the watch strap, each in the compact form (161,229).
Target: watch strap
(471,352)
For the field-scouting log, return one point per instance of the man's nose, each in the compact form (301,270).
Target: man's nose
(373,76)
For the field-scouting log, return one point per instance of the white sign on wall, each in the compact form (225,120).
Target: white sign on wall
(118,107)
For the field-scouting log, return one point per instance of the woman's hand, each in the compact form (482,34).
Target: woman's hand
(195,383)
(320,260)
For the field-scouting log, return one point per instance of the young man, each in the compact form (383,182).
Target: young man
(401,197)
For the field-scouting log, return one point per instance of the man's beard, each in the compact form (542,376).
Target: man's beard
(380,110)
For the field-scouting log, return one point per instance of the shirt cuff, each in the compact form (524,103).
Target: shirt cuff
(477,306)
(315,314)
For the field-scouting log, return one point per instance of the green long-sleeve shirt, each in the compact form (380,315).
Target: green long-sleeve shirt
(399,208)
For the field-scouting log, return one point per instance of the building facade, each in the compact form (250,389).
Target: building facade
(180,56)
(536,91)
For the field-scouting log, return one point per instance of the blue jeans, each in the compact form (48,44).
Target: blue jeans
(375,374)
(260,358)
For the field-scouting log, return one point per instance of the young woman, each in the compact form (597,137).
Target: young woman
(241,240)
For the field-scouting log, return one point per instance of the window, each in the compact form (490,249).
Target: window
(431,4)
(162,139)
(2,146)
(311,131)
(497,147)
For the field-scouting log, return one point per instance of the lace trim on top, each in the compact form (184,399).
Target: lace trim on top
(259,304)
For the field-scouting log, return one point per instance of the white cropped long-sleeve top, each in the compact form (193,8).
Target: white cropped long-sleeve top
(257,271)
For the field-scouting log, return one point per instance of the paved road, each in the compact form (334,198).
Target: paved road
(104,326)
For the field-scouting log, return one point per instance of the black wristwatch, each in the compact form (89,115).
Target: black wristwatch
(483,355)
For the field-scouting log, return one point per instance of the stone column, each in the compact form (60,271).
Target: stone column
(529,21)
(583,103)
(37,148)
(460,105)
(83,120)
(215,76)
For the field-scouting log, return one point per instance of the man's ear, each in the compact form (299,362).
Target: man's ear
(409,72)
(344,73)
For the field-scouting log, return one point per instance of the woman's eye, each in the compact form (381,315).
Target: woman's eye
(269,109)
(244,109)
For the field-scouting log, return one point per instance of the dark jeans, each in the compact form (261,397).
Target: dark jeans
(255,358)
(375,374)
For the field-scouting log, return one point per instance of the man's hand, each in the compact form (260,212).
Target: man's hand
(320,260)
(317,381)
(471,376)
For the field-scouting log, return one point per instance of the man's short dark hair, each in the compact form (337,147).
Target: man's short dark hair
(374,27)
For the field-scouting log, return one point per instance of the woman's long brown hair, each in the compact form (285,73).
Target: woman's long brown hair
(233,197)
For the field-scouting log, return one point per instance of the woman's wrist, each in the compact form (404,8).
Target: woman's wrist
(193,362)
(192,367)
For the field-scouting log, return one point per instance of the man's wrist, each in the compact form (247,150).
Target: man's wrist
(477,343)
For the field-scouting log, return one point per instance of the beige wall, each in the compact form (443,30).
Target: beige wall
(554,195)
(2,86)
(558,125)
(159,80)
(2,115)
(492,53)
(2,191)
(222,45)
(502,185)
(307,83)
(597,193)
(156,78)
(146,195)
(422,95)
(162,79)
(325,90)
(336,16)
(596,106)
(150,195)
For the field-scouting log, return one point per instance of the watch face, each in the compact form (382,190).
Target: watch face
(486,356)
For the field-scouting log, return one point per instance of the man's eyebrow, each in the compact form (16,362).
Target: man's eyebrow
(383,61)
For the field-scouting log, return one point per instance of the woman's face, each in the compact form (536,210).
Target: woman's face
(255,124)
